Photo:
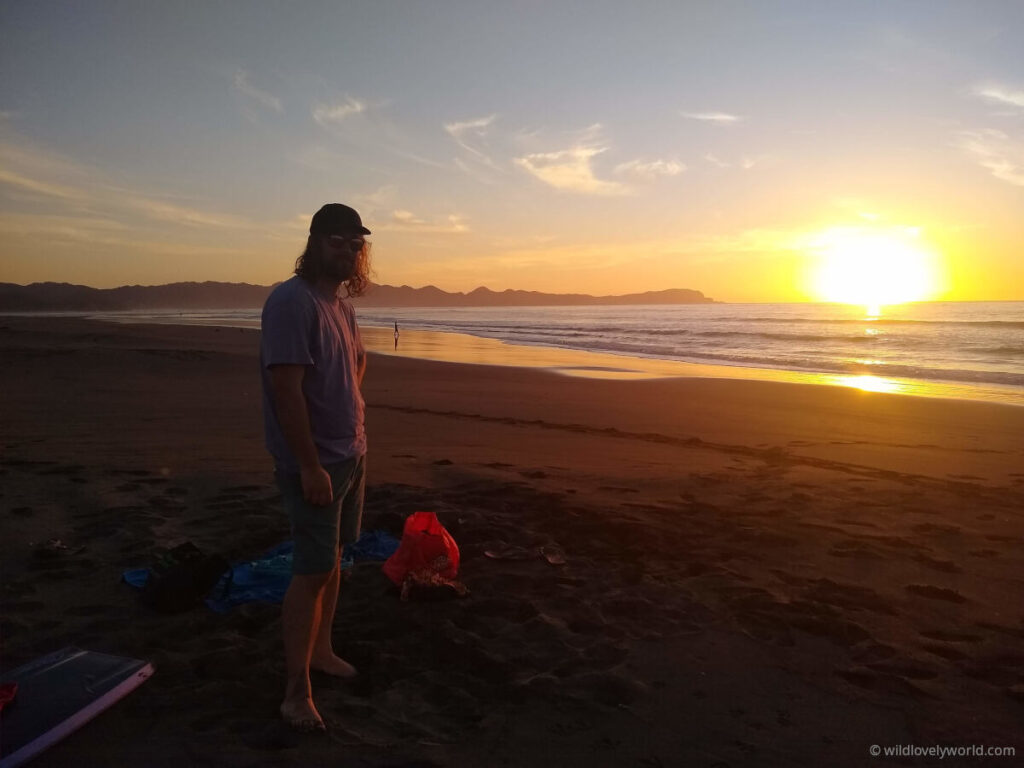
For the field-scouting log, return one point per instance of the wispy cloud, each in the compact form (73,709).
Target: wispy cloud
(475,171)
(39,187)
(477,129)
(744,162)
(291,229)
(114,251)
(407,218)
(382,198)
(402,220)
(189,217)
(994,150)
(366,130)
(1000,94)
(61,227)
(471,136)
(477,126)
(243,86)
(86,191)
(571,169)
(332,114)
(28,170)
(649,170)
(720,118)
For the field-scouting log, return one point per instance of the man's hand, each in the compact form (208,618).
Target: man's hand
(293,416)
(316,486)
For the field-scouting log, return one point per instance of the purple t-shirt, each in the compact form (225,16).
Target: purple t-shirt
(303,327)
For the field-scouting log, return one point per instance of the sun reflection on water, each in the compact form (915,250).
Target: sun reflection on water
(868,383)
(462,348)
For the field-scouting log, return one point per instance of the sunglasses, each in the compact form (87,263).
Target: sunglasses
(347,243)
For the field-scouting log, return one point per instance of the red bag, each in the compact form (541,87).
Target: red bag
(426,549)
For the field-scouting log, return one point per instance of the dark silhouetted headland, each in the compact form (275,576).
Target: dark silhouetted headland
(63,297)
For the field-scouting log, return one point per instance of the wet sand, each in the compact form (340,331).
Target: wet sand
(755,573)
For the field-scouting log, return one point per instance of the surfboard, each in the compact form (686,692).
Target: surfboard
(58,694)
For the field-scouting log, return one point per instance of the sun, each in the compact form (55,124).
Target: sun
(873,267)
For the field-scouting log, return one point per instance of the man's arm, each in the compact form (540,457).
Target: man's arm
(293,416)
(361,369)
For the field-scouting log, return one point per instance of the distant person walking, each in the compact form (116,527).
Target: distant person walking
(396,335)
(313,361)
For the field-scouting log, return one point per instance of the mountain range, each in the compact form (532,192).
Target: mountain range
(64,297)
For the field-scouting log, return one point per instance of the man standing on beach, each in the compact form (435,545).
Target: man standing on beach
(312,361)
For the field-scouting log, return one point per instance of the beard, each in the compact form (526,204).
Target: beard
(338,267)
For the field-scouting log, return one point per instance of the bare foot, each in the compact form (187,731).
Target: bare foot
(301,715)
(332,665)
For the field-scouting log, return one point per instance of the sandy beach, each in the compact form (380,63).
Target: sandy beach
(756,573)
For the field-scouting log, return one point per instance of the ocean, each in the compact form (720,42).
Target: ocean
(976,347)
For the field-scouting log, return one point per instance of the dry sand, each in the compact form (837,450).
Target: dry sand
(756,573)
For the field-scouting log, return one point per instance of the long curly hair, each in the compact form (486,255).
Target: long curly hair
(307,266)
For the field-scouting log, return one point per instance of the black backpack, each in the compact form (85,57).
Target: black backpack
(182,577)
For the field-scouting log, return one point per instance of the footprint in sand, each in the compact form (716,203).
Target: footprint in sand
(63,469)
(244,489)
(983,553)
(905,668)
(951,636)
(936,593)
(935,528)
(855,549)
(872,653)
(993,668)
(222,506)
(849,596)
(227,495)
(89,610)
(161,502)
(123,512)
(879,681)
(24,606)
(946,566)
(944,651)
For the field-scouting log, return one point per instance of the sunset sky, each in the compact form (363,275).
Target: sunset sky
(591,147)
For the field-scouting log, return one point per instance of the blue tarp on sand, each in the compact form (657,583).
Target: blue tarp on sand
(265,579)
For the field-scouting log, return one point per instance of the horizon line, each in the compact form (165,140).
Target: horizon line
(512,290)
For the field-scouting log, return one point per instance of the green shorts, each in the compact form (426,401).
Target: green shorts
(320,532)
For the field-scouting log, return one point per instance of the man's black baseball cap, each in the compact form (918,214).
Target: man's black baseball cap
(336,219)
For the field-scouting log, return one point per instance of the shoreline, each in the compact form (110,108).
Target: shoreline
(454,347)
